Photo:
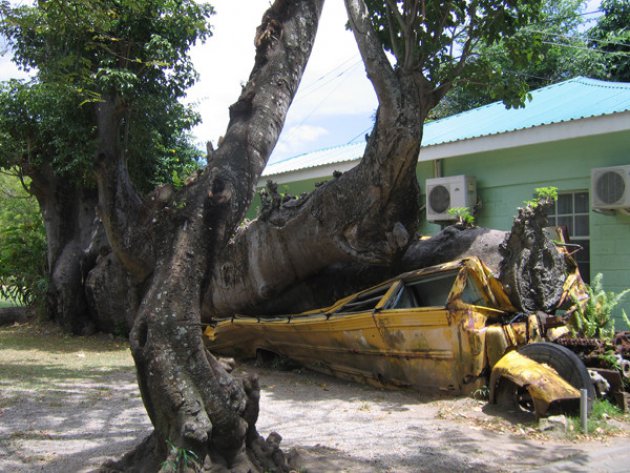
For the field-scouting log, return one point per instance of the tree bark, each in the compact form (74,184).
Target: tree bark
(112,296)
(73,238)
(170,251)
(532,269)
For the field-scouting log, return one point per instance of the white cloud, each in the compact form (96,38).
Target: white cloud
(305,133)
(298,137)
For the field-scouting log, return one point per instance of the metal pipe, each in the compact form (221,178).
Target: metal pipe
(584,409)
(437,168)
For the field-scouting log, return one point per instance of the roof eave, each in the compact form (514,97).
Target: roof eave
(547,133)
(314,172)
(584,127)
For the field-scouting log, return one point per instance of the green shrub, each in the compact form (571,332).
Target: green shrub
(543,195)
(22,244)
(5,303)
(598,418)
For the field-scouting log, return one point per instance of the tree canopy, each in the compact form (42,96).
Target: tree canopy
(444,41)
(83,50)
(611,35)
(567,47)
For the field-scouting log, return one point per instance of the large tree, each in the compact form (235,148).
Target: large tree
(48,127)
(189,259)
(206,266)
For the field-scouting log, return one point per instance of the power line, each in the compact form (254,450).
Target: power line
(315,86)
(330,71)
(362,134)
(585,48)
(579,38)
(314,109)
(321,82)
(555,19)
(307,89)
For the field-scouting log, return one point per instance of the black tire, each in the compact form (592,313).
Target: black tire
(565,362)
(513,398)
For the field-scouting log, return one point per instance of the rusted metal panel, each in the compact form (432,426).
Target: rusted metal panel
(419,329)
(543,384)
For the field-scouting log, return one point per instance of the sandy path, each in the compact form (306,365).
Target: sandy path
(74,425)
(339,426)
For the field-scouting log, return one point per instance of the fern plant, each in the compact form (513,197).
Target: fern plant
(594,318)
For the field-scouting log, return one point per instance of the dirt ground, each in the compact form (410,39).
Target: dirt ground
(64,416)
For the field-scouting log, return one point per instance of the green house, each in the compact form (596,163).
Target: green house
(574,135)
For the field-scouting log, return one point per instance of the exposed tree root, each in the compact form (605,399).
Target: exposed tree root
(257,454)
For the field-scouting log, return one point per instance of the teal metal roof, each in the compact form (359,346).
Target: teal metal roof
(322,157)
(574,99)
(563,102)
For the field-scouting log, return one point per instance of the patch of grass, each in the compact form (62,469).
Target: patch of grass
(35,356)
(48,337)
(7,401)
(598,420)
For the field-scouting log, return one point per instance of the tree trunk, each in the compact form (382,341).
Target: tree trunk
(344,278)
(88,289)
(112,297)
(170,251)
(532,269)
(73,235)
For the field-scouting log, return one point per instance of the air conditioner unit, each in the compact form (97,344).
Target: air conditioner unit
(610,187)
(444,193)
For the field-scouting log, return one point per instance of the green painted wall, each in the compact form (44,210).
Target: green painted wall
(293,188)
(507,178)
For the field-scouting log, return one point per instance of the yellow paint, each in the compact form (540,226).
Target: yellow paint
(543,383)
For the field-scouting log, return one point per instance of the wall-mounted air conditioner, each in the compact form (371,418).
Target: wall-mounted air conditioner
(610,187)
(444,193)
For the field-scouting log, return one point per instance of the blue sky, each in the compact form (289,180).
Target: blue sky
(334,105)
